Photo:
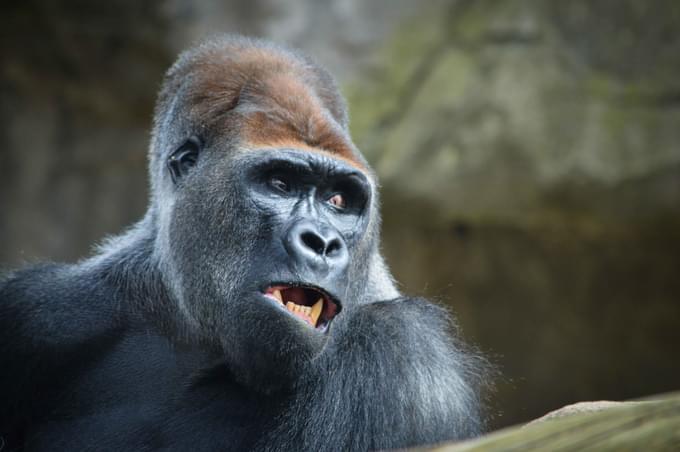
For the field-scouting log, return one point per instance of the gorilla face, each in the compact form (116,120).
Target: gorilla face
(264,244)
(314,208)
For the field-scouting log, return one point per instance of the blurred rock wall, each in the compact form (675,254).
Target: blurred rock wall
(530,158)
(529,154)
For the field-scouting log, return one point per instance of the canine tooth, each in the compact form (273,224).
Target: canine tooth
(277,294)
(315,312)
(307,309)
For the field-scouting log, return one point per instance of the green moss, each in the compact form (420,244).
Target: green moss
(378,97)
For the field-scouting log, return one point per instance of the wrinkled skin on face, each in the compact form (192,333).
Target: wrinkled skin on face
(228,301)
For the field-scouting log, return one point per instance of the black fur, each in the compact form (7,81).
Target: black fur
(161,340)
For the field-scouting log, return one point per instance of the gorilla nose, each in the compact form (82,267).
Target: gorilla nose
(316,246)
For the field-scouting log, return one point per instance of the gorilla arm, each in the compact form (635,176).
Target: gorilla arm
(392,375)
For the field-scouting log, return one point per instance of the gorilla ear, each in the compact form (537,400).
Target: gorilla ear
(184,158)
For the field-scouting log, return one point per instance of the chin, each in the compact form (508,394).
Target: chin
(269,347)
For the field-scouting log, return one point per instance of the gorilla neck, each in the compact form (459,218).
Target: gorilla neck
(128,264)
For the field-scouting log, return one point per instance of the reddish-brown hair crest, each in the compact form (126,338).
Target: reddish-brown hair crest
(268,95)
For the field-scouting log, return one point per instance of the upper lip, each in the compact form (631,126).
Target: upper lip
(300,300)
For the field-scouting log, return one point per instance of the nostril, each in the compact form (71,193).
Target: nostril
(313,242)
(333,248)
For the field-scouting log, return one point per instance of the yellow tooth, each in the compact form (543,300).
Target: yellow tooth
(315,312)
(277,295)
(290,306)
(307,309)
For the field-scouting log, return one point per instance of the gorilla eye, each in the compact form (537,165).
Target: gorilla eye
(183,159)
(279,184)
(337,200)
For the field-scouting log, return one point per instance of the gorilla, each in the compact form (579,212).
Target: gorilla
(250,308)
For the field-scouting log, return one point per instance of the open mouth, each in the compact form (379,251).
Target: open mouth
(308,304)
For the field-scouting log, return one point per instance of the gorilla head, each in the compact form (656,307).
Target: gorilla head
(266,213)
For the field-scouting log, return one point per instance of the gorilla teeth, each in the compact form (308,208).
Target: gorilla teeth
(277,294)
(315,311)
(299,303)
(306,313)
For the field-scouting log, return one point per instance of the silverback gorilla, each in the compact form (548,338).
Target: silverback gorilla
(250,308)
